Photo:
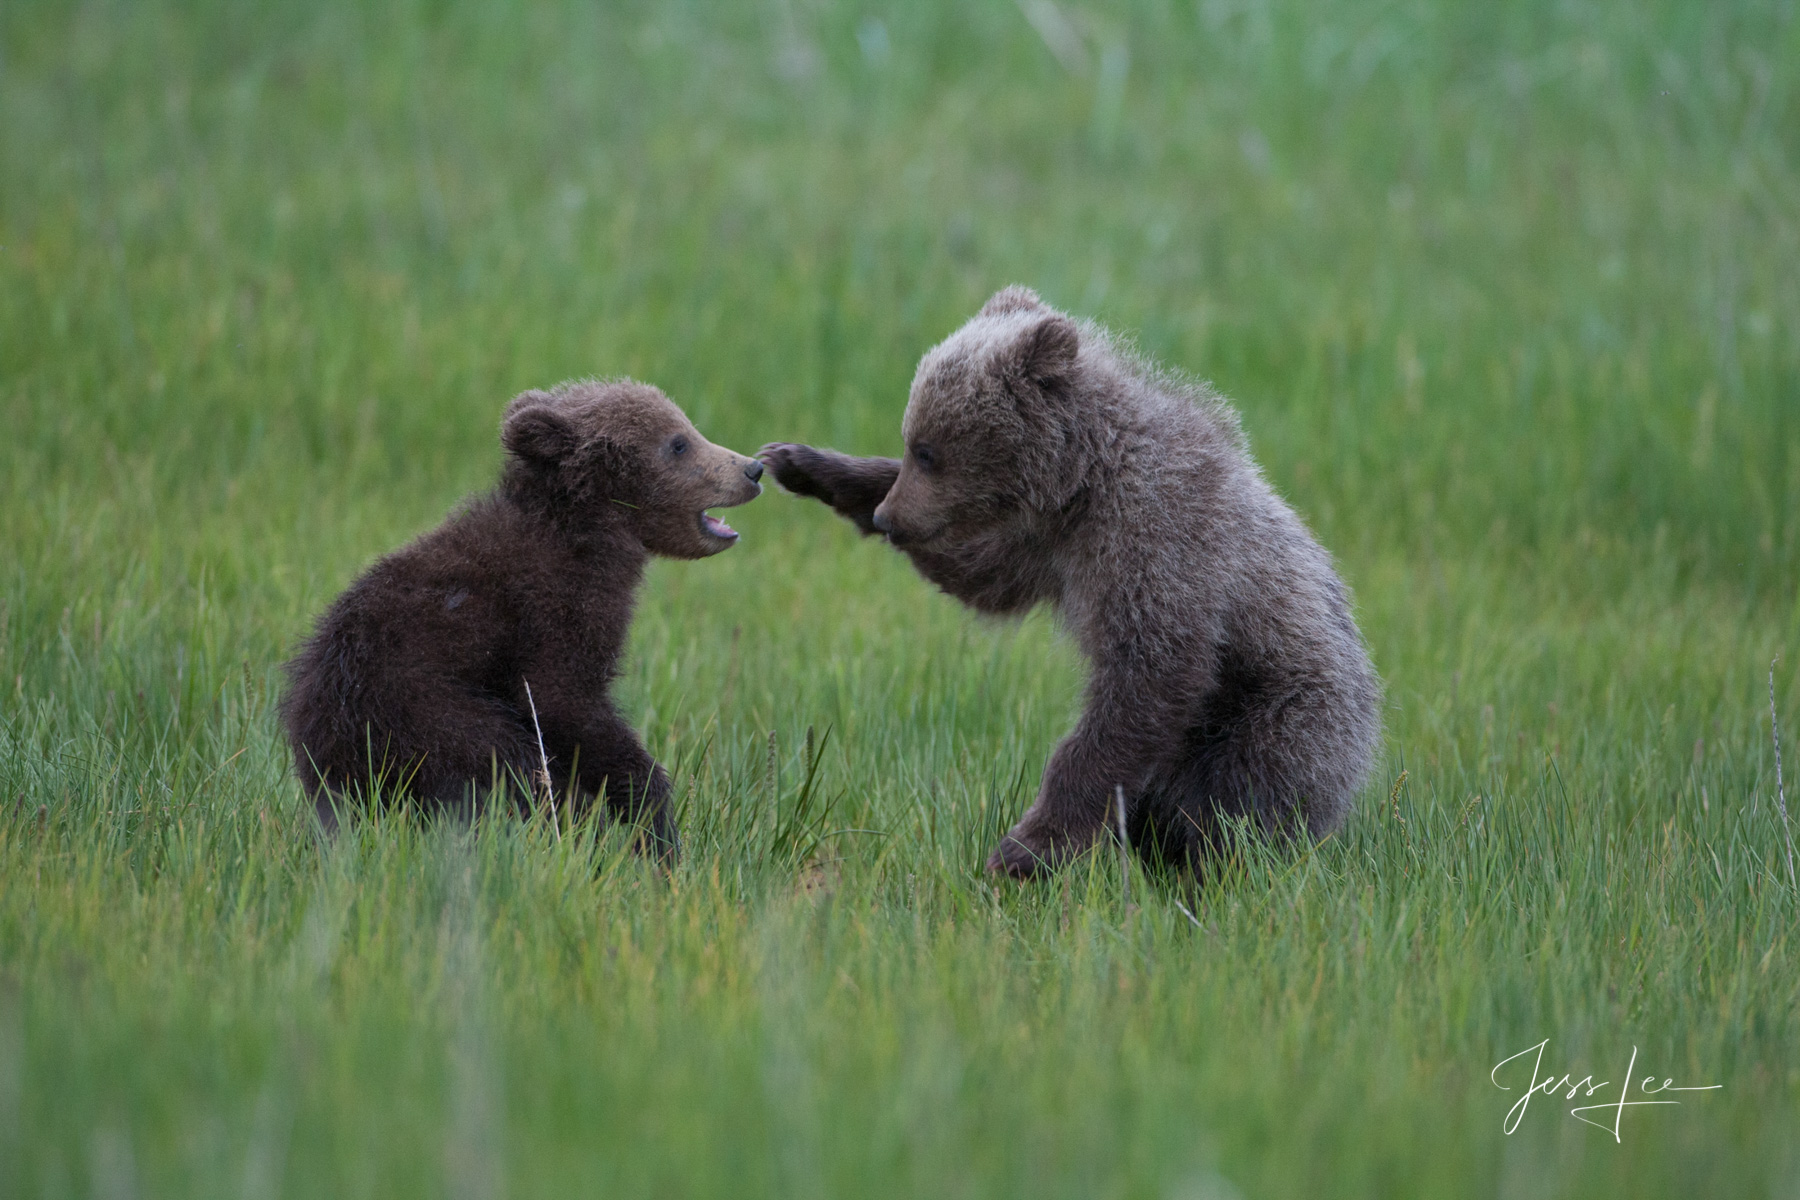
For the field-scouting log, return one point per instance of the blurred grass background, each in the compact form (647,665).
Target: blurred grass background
(1509,297)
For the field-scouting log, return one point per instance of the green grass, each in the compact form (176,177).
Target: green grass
(1507,295)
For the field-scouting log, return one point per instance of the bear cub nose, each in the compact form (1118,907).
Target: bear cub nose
(754,470)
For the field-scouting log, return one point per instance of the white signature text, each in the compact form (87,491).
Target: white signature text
(1585,1087)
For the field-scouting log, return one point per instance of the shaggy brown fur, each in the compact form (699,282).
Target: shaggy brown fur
(414,681)
(1045,463)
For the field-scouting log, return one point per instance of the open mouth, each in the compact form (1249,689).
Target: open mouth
(713,527)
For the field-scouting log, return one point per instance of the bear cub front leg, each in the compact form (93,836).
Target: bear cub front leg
(853,487)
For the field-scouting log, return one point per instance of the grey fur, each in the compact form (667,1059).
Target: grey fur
(1047,463)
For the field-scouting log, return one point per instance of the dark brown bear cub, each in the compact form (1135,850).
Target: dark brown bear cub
(415,681)
(1046,464)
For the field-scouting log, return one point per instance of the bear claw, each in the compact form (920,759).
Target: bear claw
(784,461)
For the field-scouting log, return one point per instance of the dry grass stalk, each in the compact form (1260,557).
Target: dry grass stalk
(1124,846)
(543,772)
(1394,798)
(1188,914)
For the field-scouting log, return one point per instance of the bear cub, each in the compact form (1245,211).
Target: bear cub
(1044,462)
(415,680)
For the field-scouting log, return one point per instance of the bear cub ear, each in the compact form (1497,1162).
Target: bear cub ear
(1045,352)
(1010,300)
(536,432)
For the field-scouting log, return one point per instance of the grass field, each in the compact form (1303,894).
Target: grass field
(1509,296)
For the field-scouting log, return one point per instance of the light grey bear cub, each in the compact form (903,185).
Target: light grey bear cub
(1045,463)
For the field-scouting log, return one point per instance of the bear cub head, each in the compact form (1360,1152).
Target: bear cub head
(598,452)
(994,430)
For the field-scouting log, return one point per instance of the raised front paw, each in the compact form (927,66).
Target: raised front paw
(795,468)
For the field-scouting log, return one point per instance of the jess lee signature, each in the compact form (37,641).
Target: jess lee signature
(1586,1088)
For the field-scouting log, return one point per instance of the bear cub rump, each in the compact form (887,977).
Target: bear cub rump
(414,683)
(1044,463)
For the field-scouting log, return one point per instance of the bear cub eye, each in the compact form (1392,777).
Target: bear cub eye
(924,457)
(679,446)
